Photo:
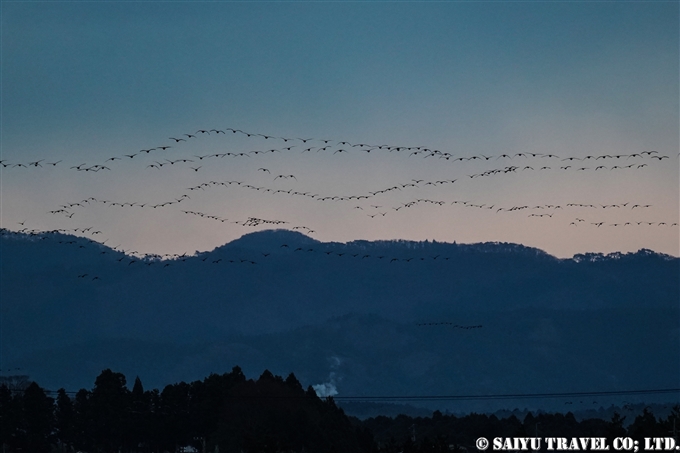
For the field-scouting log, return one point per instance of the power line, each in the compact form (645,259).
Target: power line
(459,397)
(508,395)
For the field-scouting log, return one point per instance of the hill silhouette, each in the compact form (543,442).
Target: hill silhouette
(397,315)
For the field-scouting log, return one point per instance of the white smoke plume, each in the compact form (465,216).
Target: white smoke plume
(329,387)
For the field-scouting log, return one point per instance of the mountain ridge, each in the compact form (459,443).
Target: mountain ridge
(392,313)
(275,238)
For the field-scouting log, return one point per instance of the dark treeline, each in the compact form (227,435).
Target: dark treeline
(229,413)
(445,432)
(225,411)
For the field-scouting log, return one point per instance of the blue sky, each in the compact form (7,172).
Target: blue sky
(86,81)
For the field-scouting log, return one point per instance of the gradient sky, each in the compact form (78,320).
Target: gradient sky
(86,81)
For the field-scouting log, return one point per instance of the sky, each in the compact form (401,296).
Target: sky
(524,104)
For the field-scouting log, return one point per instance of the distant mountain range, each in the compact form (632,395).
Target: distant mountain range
(359,318)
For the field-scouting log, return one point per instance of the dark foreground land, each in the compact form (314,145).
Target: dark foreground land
(229,413)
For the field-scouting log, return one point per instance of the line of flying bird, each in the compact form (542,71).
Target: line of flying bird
(444,323)
(329,145)
(67,208)
(414,183)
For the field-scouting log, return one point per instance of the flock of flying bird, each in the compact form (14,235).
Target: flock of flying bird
(455,326)
(530,162)
(336,147)
(68,209)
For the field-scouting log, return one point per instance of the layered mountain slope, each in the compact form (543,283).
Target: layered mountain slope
(387,316)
